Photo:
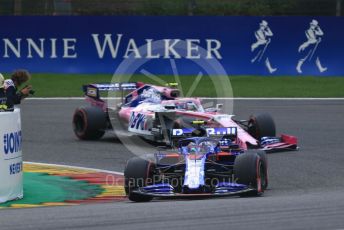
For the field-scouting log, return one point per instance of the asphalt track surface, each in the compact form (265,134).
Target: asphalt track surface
(306,189)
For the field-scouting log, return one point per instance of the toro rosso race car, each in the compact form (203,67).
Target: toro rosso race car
(157,113)
(198,166)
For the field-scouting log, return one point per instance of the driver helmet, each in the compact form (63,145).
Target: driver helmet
(190,106)
(192,148)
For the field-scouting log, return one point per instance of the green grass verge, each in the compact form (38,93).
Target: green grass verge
(59,85)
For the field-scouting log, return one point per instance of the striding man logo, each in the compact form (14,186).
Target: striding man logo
(259,48)
(309,48)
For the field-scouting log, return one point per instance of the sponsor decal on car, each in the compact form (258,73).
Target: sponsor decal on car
(138,124)
(210,131)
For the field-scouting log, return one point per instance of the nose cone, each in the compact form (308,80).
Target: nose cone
(194,173)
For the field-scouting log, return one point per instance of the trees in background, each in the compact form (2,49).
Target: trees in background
(171,7)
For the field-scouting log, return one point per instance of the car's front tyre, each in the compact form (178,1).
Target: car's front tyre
(250,169)
(261,125)
(137,174)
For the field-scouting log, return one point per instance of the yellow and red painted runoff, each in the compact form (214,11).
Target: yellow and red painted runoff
(55,185)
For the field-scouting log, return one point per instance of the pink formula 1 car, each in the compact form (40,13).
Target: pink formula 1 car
(157,113)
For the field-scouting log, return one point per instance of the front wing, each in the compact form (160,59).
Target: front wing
(192,195)
(283,143)
(166,190)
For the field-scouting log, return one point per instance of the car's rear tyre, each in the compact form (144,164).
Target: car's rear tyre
(261,125)
(136,175)
(251,170)
(89,123)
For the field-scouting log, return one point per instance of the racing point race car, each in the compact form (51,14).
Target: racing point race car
(153,112)
(206,166)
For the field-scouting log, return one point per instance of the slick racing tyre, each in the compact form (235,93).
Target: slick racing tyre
(89,123)
(261,125)
(264,159)
(250,169)
(136,175)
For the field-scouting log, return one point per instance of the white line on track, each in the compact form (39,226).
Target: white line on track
(219,98)
(54,98)
(278,98)
(73,167)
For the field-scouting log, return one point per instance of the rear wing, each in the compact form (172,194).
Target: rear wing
(93,90)
(224,135)
(209,132)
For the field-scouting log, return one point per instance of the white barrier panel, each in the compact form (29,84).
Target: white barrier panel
(11,163)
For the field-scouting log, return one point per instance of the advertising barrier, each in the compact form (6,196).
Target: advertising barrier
(288,46)
(11,164)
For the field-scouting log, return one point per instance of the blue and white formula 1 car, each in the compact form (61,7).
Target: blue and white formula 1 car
(199,166)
